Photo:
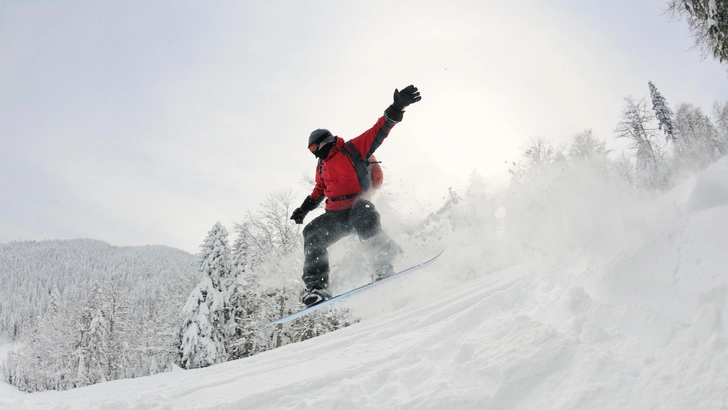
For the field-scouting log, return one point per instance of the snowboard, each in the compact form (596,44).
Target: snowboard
(343,296)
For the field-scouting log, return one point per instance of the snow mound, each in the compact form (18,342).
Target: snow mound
(711,188)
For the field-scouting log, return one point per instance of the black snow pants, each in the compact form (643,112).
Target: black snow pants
(327,229)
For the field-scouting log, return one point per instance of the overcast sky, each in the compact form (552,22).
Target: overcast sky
(145,122)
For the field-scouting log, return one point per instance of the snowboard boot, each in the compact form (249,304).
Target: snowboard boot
(382,251)
(315,296)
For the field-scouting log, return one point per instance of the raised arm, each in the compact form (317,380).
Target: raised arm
(371,139)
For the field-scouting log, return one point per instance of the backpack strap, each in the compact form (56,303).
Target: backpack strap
(361,166)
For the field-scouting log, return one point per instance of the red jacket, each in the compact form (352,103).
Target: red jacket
(335,175)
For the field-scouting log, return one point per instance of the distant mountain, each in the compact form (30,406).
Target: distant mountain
(29,270)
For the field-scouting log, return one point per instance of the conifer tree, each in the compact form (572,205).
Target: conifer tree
(663,113)
(708,20)
(248,307)
(93,348)
(200,344)
(120,335)
(244,255)
(207,313)
(55,301)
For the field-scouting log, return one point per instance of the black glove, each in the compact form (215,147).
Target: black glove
(298,215)
(308,205)
(408,95)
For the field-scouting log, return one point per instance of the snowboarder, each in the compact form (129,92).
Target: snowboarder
(344,177)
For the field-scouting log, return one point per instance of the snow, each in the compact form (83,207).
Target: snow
(5,348)
(625,307)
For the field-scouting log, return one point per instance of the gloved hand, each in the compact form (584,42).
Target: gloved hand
(298,215)
(408,95)
(308,205)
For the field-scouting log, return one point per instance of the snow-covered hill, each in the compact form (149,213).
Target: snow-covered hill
(32,269)
(623,307)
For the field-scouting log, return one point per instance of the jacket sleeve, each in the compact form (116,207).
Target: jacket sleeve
(371,139)
(318,190)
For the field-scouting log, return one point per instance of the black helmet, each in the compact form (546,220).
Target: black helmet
(320,135)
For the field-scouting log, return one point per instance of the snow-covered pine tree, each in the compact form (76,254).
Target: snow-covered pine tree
(243,256)
(708,20)
(200,344)
(54,303)
(663,113)
(120,332)
(64,339)
(246,339)
(207,314)
(93,348)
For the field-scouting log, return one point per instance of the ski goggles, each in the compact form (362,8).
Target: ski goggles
(314,146)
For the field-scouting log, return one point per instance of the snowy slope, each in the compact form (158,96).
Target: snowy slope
(626,310)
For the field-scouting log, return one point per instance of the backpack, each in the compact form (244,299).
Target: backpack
(368,171)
